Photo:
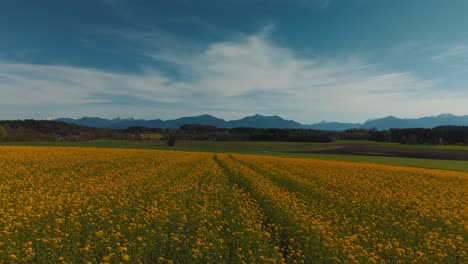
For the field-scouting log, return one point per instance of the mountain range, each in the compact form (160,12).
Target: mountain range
(261,121)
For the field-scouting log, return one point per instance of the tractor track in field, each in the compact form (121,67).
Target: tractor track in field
(268,220)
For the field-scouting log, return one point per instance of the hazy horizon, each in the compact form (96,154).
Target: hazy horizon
(251,115)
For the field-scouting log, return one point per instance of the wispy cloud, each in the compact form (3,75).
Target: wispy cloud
(230,79)
(459,51)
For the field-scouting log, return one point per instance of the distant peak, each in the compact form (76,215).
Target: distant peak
(205,116)
(445,115)
(256,116)
(391,117)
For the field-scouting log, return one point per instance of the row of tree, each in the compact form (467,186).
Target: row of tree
(32,130)
(442,135)
(438,135)
(203,132)
(3,133)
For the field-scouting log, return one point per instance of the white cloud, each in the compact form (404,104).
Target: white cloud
(229,79)
(456,52)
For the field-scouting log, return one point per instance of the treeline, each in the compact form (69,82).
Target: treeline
(41,130)
(204,132)
(212,133)
(442,135)
(33,130)
(438,135)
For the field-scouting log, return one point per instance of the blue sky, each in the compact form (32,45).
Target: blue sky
(307,60)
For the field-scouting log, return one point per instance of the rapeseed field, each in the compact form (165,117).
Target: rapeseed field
(85,205)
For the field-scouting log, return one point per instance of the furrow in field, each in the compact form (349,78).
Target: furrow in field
(304,234)
(379,212)
(279,239)
(86,212)
(110,206)
(84,205)
(212,222)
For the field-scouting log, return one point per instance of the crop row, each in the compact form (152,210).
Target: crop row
(85,205)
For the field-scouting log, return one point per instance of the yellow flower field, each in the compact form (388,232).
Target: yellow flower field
(90,205)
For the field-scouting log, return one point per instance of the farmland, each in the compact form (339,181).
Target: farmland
(361,152)
(99,205)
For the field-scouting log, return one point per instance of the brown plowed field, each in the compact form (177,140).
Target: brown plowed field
(375,150)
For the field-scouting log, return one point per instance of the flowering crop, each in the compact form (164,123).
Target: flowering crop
(85,205)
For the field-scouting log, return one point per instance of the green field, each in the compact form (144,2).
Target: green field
(271,149)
